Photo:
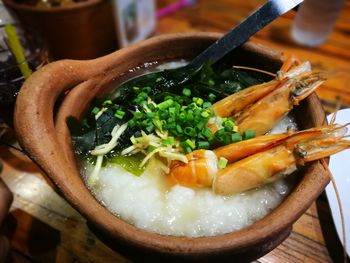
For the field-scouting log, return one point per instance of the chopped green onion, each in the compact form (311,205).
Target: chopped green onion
(172,111)
(212,139)
(190,143)
(151,106)
(222,163)
(187,149)
(236,137)
(107,102)
(182,116)
(203,145)
(226,139)
(138,115)
(220,133)
(197,100)
(150,115)
(150,128)
(132,123)
(205,114)
(95,110)
(206,132)
(197,113)
(165,104)
(146,89)
(228,126)
(190,131)
(206,104)
(119,114)
(211,96)
(189,115)
(158,123)
(169,141)
(211,82)
(179,129)
(248,134)
(150,148)
(200,125)
(186,92)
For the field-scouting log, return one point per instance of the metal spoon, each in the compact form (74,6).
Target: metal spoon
(261,17)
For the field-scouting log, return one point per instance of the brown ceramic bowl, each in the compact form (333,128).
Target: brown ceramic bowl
(82,30)
(44,103)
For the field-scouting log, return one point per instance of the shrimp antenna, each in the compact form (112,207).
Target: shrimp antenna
(337,107)
(334,116)
(325,165)
(256,70)
(289,63)
(346,136)
(341,126)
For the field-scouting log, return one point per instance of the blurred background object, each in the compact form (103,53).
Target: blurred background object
(74,30)
(172,7)
(134,20)
(20,54)
(48,3)
(315,20)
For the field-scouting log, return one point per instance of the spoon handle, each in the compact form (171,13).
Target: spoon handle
(248,27)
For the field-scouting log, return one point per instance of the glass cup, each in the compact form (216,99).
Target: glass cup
(11,78)
(315,20)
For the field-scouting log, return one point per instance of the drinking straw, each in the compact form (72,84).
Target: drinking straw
(17,50)
(173,7)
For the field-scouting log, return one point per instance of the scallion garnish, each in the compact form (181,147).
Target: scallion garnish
(186,92)
(222,163)
(119,114)
(211,96)
(248,134)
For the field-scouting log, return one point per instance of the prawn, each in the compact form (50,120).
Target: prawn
(236,102)
(269,158)
(264,114)
(260,107)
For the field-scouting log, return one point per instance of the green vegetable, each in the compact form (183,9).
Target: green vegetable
(186,92)
(248,134)
(211,96)
(191,144)
(236,137)
(203,145)
(119,114)
(222,163)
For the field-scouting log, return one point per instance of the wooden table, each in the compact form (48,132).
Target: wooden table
(42,227)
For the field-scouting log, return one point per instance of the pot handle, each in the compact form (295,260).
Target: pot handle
(34,110)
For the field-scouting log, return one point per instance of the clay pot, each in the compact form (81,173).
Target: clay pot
(43,133)
(83,30)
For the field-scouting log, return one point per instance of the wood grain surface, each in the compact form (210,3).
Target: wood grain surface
(43,227)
